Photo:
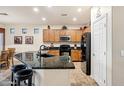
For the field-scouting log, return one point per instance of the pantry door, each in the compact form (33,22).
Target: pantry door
(99,50)
(2,39)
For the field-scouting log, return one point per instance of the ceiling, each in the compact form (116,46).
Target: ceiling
(26,15)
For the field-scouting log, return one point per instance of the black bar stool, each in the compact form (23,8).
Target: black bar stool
(22,75)
(15,69)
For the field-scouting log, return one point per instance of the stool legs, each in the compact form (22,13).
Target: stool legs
(30,81)
(12,79)
(18,82)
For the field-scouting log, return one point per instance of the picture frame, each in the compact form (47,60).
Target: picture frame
(28,56)
(12,30)
(17,39)
(28,39)
(36,30)
(24,30)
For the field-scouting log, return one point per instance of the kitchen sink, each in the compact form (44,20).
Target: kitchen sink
(46,55)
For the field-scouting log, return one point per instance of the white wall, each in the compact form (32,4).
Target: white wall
(2,25)
(23,47)
(38,38)
(118,45)
(103,11)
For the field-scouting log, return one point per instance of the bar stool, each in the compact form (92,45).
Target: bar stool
(14,70)
(22,75)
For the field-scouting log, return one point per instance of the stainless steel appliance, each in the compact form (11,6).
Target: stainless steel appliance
(86,53)
(65,50)
(65,38)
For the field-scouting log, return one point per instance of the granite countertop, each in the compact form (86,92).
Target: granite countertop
(57,48)
(56,62)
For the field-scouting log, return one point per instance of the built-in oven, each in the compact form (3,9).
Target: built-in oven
(65,38)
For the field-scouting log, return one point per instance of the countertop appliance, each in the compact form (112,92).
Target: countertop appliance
(86,53)
(65,50)
(65,38)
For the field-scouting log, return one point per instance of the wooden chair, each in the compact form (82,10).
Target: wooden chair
(11,52)
(4,59)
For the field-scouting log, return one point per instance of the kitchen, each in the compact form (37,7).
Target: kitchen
(91,44)
(59,39)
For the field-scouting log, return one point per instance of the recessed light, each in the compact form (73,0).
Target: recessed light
(44,19)
(79,9)
(36,9)
(5,14)
(74,19)
(64,14)
(49,6)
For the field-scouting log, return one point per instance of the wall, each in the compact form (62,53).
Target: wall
(2,25)
(103,11)
(38,38)
(118,45)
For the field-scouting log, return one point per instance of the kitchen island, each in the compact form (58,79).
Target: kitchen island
(48,71)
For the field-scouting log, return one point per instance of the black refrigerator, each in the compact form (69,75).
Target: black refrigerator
(86,53)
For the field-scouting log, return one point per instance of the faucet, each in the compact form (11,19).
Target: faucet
(41,49)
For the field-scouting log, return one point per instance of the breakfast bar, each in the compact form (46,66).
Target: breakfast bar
(48,69)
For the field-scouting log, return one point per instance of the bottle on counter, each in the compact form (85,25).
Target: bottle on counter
(75,46)
(51,45)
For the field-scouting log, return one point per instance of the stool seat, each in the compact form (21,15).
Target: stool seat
(24,74)
(16,68)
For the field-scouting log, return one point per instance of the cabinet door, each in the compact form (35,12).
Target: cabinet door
(76,55)
(73,36)
(56,35)
(54,52)
(51,35)
(78,35)
(62,32)
(45,35)
(68,32)
(79,55)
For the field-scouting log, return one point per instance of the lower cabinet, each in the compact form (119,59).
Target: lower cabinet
(54,52)
(76,55)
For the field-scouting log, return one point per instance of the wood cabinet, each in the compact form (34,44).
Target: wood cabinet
(78,35)
(62,32)
(73,35)
(76,55)
(51,36)
(46,35)
(54,52)
(56,35)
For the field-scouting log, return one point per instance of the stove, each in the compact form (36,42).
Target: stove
(65,50)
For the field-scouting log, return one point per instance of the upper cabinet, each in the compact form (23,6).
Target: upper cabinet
(45,35)
(53,35)
(56,36)
(73,35)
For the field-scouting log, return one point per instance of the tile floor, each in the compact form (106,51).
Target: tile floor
(77,77)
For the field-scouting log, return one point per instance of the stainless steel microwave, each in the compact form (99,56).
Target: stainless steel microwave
(65,38)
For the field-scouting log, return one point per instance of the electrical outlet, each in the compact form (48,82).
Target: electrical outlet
(122,53)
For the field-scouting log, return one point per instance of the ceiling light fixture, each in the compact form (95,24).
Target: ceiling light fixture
(36,9)
(79,9)
(64,14)
(49,6)
(44,19)
(4,14)
(74,19)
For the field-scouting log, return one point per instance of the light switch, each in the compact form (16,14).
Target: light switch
(122,53)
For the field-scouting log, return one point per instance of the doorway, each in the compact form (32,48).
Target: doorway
(2,39)
(99,50)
